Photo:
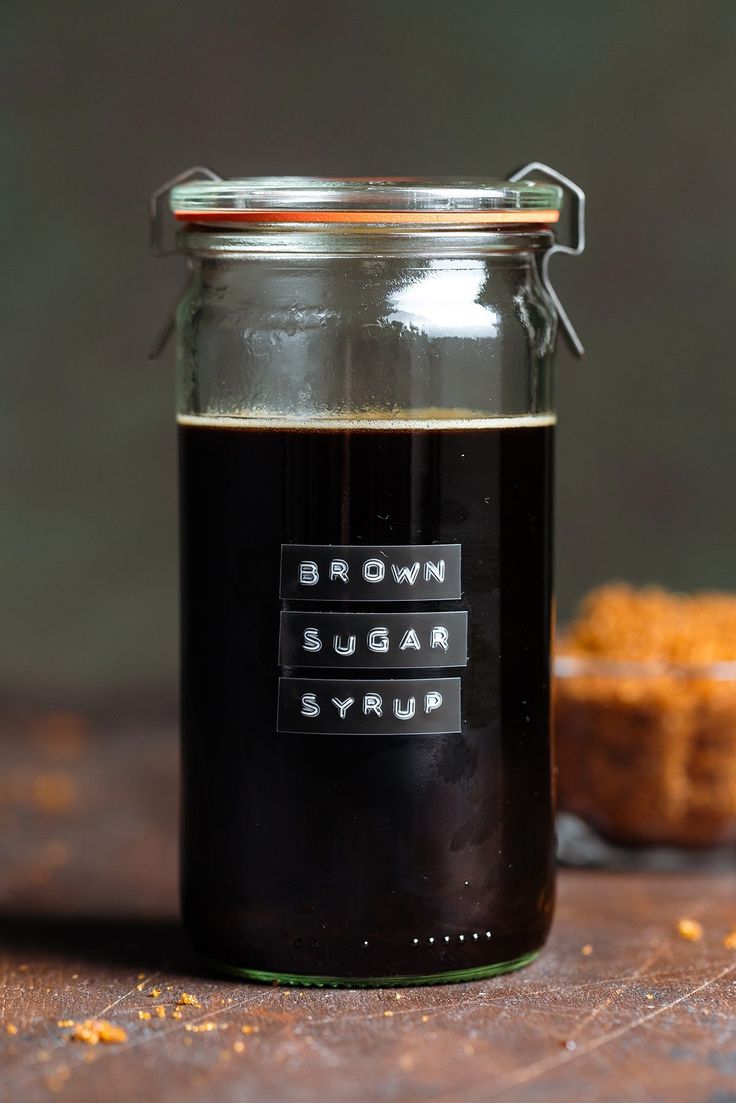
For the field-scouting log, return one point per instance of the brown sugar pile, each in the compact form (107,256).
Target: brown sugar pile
(94,1031)
(646,731)
(187,1000)
(652,625)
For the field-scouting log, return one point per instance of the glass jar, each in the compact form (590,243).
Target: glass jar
(646,751)
(366,416)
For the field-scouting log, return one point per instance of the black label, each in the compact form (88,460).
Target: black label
(368,640)
(371,706)
(415,572)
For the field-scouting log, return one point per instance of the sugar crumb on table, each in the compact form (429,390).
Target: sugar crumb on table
(186,999)
(93,1031)
(690,930)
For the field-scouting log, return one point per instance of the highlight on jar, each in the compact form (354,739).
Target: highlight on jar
(645,723)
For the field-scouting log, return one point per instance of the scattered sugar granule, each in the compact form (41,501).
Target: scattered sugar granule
(187,1000)
(92,1031)
(690,930)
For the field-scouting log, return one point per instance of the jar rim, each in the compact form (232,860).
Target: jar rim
(268,239)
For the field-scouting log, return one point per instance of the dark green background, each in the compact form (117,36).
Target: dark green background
(104,101)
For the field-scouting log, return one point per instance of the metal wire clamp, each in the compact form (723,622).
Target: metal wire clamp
(573,250)
(159,250)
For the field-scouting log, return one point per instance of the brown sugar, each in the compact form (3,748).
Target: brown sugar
(187,1000)
(620,622)
(645,725)
(92,1031)
(690,930)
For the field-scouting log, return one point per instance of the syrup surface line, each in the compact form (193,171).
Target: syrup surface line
(367,423)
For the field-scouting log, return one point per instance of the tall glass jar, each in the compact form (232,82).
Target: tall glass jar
(366,417)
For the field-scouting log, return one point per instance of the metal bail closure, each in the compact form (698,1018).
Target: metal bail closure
(159,250)
(573,250)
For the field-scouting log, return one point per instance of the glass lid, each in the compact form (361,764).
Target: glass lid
(367,200)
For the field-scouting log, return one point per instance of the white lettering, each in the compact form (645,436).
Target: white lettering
(344,648)
(343,706)
(309,705)
(374,570)
(410,640)
(434,570)
(404,712)
(440,637)
(405,574)
(312,642)
(372,702)
(338,569)
(432,701)
(308,573)
(378,640)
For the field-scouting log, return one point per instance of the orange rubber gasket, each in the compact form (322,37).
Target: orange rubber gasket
(485,218)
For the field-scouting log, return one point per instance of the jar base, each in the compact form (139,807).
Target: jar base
(296,980)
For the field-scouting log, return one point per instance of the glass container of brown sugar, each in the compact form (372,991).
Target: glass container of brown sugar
(645,707)
(366,417)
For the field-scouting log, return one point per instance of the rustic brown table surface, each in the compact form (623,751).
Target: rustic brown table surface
(89,927)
